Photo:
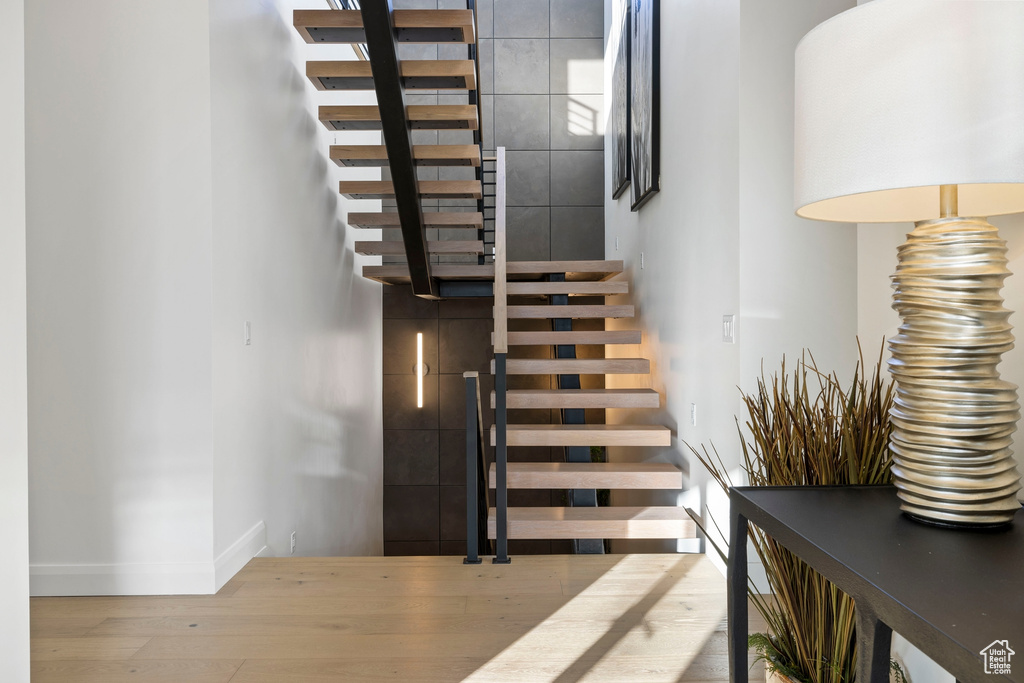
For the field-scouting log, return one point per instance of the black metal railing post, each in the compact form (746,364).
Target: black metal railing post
(472,474)
(501,461)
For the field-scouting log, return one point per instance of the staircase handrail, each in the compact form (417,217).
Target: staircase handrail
(500,353)
(500,266)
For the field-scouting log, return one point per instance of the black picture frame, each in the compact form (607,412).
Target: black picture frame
(645,101)
(620,96)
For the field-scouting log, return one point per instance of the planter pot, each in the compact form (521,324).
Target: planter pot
(776,677)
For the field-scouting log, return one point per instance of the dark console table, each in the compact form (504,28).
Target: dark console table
(951,593)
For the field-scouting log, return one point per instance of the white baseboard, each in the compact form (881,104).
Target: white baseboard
(168,578)
(228,563)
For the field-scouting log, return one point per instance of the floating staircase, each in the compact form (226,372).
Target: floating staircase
(551,304)
(582,520)
(414,176)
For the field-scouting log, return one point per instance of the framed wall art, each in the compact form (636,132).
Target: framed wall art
(619,106)
(644,76)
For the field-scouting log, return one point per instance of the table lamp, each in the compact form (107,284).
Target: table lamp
(913,110)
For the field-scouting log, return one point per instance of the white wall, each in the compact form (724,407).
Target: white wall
(297,415)
(721,237)
(177,187)
(120,317)
(798,278)
(14,627)
(689,237)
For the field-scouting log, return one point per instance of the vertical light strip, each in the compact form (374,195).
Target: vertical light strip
(419,369)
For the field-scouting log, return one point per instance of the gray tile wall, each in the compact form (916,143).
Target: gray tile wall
(541,78)
(545,87)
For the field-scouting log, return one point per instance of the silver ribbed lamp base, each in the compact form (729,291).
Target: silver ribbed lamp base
(953,417)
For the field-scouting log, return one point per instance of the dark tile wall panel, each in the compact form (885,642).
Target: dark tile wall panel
(411,513)
(411,457)
(425,448)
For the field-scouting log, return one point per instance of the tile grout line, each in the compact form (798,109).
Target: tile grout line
(550,174)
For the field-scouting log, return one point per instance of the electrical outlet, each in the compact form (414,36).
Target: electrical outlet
(293,543)
(693,414)
(641,260)
(729,329)
(616,244)
(248,333)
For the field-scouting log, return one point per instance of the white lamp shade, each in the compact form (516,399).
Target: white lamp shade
(897,97)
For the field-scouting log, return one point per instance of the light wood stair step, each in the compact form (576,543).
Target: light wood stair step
(398,273)
(569,311)
(585,435)
(432,219)
(411,25)
(545,338)
(571,288)
(579,398)
(434,74)
(397,247)
(574,270)
(423,155)
(590,475)
(576,366)
(420,116)
(595,522)
(429,189)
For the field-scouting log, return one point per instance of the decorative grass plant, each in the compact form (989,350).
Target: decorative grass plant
(805,428)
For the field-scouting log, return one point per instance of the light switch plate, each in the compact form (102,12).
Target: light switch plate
(729,329)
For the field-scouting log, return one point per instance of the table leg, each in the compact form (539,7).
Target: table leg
(874,641)
(737,571)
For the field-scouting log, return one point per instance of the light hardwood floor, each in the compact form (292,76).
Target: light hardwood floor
(558,619)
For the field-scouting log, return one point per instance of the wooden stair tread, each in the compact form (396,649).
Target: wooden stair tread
(420,116)
(423,155)
(570,268)
(570,311)
(571,288)
(590,475)
(576,366)
(397,247)
(595,522)
(429,189)
(576,270)
(398,273)
(411,26)
(579,398)
(419,74)
(585,435)
(433,219)
(545,338)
